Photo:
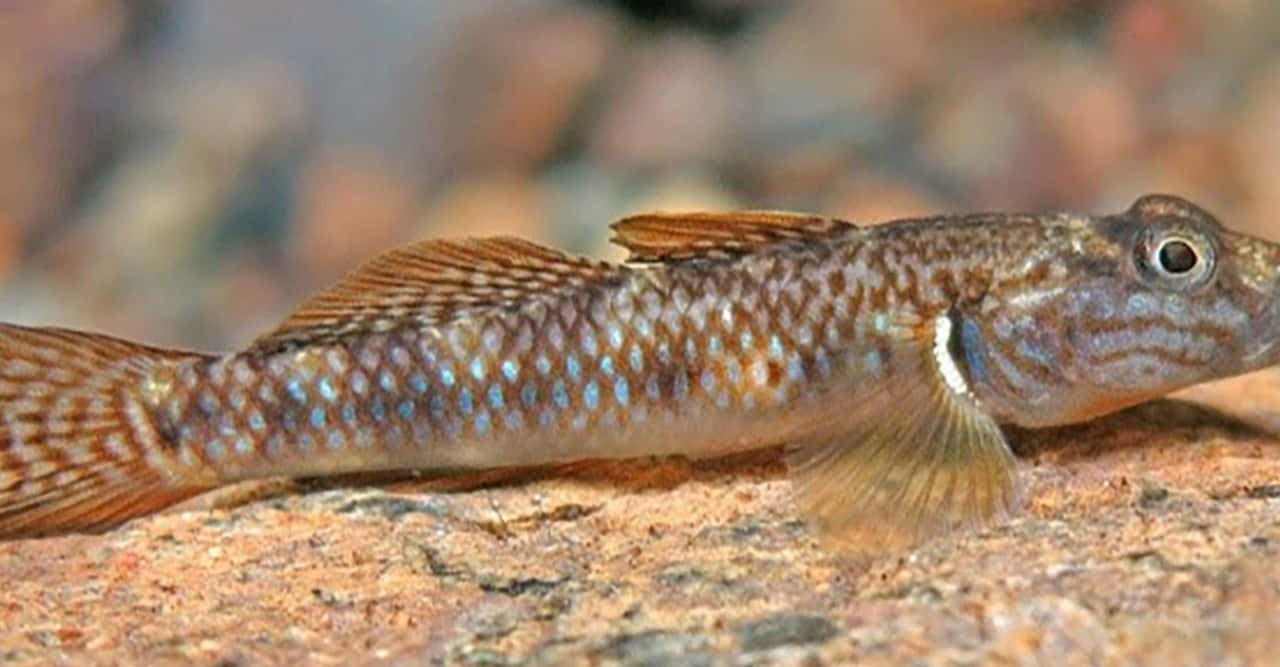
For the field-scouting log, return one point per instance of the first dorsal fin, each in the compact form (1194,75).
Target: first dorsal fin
(432,282)
(665,237)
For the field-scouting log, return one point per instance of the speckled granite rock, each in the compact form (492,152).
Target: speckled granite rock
(1150,537)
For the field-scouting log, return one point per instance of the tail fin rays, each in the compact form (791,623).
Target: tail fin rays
(77,452)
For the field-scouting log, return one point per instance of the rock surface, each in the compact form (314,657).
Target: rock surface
(1148,537)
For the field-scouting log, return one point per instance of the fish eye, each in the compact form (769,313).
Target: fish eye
(1176,256)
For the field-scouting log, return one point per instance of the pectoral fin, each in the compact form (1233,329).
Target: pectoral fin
(914,459)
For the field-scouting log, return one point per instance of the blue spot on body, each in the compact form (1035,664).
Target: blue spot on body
(215,449)
(464,401)
(290,422)
(257,422)
(559,395)
(495,397)
(477,369)
(509,370)
(651,388)
(733,371)
(690,349)
(318,418)
(708,381)
(482,423)
(775,347)
(405,410)
(446,377)
(636,358)
(436,406)
(621,391)
(823,363)
(294,387)
(306,442)
(359,383)
(795,368)
(208,404)
(606,366)
(349,413)
(714,346)
(378,410)
(419,383)
(529,394)
(543,365)
(572,367)
(243,445)
(680,387)
(513,420)
(874,363)
(387,381)
(746,340)
(591,395)
(337,440)
(326,389)
(545,418)
(615,336)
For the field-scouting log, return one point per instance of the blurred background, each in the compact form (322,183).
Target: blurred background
(185,171)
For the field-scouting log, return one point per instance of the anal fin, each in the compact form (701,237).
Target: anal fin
(916,459)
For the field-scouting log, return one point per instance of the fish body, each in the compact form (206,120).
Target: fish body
(883,358)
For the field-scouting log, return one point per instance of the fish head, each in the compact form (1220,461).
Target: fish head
(1134,305)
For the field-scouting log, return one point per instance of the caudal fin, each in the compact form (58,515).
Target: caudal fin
(77,450)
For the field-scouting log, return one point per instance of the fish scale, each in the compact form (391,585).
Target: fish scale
(883,358)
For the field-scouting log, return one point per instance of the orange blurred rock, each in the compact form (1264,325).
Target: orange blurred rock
(870,198)
(513,80)
(348,210)
(48,52)
(1148,39)
(487,206)
(1087,116)
(1255,145)
(675,102)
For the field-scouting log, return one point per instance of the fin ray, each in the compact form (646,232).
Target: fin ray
(912,461)
(433,282)
(57,472)
(668,237)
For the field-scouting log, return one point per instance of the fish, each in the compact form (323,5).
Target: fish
(884,360)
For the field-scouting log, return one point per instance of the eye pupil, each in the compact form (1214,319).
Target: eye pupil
(1177,256)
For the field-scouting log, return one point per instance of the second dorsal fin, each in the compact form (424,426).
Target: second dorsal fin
(665,237)
(431,282)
